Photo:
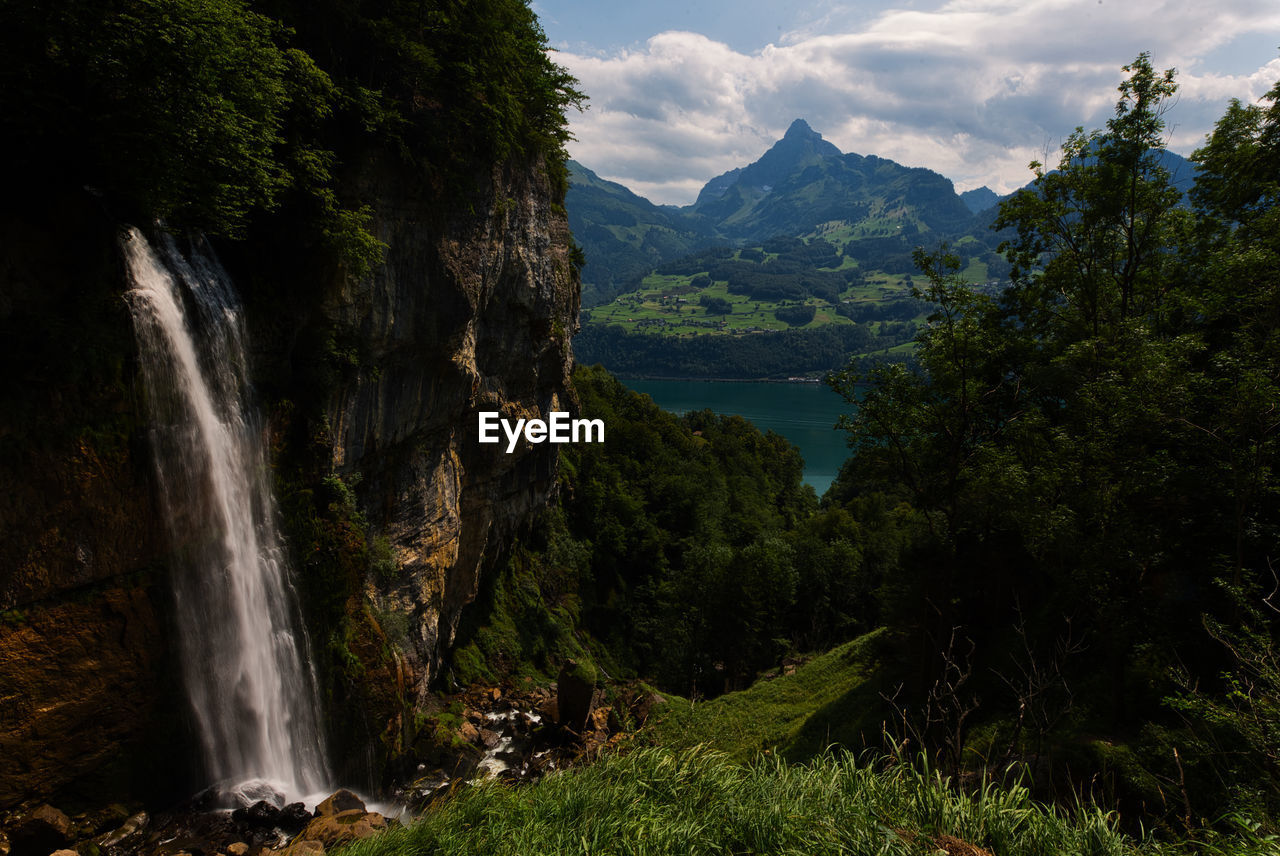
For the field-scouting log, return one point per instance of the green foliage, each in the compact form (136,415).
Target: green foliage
(686,550)
(656,801)
(715,305)
(1236,729)
(453,83)
(177,105)
(524,619)
(210,114)
(1095,447)
(796,316)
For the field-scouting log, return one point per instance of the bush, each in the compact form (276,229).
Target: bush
(796,316)
(716,305)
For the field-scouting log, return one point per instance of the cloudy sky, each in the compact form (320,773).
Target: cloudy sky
(975,89)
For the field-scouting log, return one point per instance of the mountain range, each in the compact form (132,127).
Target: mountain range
(877,209)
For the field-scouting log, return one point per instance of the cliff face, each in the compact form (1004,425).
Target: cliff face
(472,310)
(82,652)
(470,313)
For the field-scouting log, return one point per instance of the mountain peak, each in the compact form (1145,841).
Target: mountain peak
(800,147)
(799,130)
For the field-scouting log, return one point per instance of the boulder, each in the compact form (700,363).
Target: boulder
(262,815)
(237,849)
(294,817)
(306,847)
(333,830)
(254,791)
(575,692)
(341,801)
(40,833)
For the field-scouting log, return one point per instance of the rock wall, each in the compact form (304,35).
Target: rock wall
(82,649)
(472,310)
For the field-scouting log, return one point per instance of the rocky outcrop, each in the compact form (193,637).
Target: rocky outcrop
(470,313)
(339,820)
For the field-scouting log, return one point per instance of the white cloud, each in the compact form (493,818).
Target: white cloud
(975,89)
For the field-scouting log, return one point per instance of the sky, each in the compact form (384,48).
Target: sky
(974,89)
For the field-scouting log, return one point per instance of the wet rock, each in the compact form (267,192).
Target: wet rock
(64,853)
(294,817)
(306,848)
(128,831)
(261,814)
(249,793)
(489,738)
(340,802)
(100,821)
(239,848)
(468,732)
(40,833)
(334,830)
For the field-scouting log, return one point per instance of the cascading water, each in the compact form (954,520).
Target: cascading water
(245,655)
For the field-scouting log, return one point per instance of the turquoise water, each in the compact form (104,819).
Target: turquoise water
(804,413)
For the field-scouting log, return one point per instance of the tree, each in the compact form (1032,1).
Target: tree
(1091,235)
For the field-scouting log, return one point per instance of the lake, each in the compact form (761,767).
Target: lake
(804,413)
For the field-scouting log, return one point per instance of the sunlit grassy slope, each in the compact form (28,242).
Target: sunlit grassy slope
(832,699)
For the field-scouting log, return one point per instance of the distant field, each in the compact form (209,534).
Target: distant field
(671,305)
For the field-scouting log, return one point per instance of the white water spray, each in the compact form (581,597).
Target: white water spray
(244,653)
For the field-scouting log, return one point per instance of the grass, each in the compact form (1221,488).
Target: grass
(698,801)
(668,305)
(723,780)
(832,699)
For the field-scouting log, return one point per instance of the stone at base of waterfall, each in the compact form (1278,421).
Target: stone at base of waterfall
(468,732)
(293,818)
(306,848)
(340,801)
(238,849)
(247,794)
(331,831)
(262,815)
(339,820)
(574,696)
(40,833)
(131,828)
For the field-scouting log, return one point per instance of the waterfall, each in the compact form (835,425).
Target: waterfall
(244,652)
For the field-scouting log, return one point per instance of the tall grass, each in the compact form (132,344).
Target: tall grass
(696,801)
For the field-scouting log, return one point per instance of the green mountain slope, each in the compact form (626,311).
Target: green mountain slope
(874,209)
(803,182)
(624,235)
